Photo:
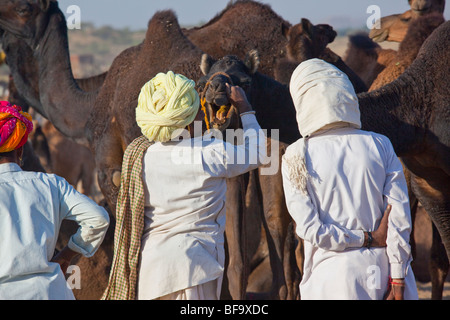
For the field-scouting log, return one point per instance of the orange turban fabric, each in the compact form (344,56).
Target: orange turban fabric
(15,126)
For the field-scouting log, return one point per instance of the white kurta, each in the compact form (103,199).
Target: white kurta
(354,175)
(32,207)
(185,182)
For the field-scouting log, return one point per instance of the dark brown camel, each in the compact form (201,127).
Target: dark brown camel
(395,27)
(417,33)
(308,41)
(263,93)
(242,26)
(413,111)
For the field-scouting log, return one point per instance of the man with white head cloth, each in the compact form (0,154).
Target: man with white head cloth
(347,194)
(169,239)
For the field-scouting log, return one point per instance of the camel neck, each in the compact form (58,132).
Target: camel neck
(66,105)
(395,111)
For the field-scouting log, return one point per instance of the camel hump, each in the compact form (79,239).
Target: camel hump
(439,40)
(425,25)
(361,40)
(163,22)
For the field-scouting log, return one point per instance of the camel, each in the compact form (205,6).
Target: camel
(395,27)
(263,93)
(417,33)
(307,41)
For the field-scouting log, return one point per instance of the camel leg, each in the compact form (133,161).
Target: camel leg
(439,266)
(434,195)
(234,210)
(108,158)
(291,270)
(276,221)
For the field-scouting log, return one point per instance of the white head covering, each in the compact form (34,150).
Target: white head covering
(323,97)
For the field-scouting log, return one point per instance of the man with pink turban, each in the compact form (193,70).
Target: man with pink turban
(32,207)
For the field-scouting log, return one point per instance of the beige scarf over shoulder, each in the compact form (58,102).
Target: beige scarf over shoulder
(324,98)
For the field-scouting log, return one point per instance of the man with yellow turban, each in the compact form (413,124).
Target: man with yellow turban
(32,207)
(169,240)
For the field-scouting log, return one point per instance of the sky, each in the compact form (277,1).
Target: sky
(135,14)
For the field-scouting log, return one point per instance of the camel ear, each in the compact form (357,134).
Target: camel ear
(307,27)
(206,63)
(252,61)
(285,30)
(44,4)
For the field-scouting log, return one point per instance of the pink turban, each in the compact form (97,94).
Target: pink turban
(15,126)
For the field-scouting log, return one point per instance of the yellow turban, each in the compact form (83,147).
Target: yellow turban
(166,103)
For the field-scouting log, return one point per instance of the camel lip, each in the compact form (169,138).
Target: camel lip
(217,121)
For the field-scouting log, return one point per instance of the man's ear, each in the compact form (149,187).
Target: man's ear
(19,154)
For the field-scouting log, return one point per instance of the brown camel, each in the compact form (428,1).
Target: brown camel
(417,33)
(366,58)
(264,93)
(395,27)
(64,157)
(413,111)
(307,41)
(244,25)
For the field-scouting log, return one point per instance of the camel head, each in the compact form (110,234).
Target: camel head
(394,27)
(306,41)
(229,69)
(422,7)
(25,18)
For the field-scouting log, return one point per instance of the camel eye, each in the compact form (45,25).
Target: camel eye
(23,10)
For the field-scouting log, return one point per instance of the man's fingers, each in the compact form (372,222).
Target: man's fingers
(385,218)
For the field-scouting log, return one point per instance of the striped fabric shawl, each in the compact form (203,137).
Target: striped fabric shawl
(129,224)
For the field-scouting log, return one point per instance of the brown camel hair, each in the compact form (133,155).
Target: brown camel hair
(395,27)
(307,41)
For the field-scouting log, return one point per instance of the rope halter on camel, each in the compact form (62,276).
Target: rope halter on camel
(210,118)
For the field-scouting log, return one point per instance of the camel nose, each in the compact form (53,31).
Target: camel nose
(218,84)
(217,92)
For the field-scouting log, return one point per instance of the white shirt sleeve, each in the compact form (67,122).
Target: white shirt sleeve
(310,228)
(230,160)
(93,220)
(399,228)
